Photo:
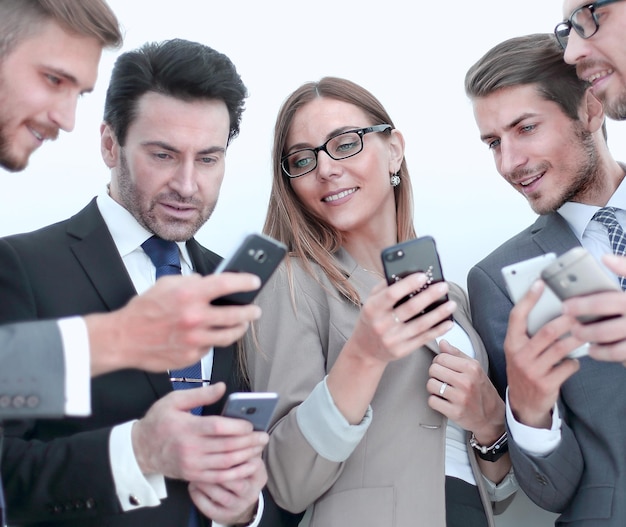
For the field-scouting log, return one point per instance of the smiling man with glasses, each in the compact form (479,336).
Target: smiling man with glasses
(597,47)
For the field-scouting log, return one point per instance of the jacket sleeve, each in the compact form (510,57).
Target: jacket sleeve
(45,479)
(287,352)
(550,481)
(490,307)
(32,371)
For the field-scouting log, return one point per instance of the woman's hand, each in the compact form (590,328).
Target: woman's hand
(385,333)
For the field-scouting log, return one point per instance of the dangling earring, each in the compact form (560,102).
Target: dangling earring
(394,180)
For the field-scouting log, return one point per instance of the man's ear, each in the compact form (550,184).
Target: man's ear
(109,146)
(592,112)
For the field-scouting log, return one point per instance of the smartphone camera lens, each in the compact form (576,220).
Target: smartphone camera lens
(250,410)
(260,256)
(395,255)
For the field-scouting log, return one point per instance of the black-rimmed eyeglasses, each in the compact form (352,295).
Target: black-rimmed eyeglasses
(583,20)
(341,146)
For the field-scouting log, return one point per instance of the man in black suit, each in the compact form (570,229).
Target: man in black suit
(49,55)
(141,458)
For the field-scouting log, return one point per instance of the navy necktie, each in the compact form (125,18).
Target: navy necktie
(165,257)
(606,216)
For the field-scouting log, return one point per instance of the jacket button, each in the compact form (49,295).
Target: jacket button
(19,401)
(90,503)
(32,401)
(5,401)
(134,500)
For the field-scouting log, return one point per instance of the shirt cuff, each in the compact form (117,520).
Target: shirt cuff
(77,366)
(534,441)
(502,490)
(326,429)
(133,488)
(257,518)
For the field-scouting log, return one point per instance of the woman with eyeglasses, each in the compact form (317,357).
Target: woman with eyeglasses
(376,411)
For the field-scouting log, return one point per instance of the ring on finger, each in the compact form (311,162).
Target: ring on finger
(442,389)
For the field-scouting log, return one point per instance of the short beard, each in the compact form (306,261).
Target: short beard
(131,199)
(7,160)
(616,110)
(587,176)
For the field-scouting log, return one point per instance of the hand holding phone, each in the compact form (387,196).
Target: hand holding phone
(412,256)
(257,254)
(518,278)
(256,407)
(578,273)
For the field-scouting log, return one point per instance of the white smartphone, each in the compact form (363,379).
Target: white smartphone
(256,407)
(519,277)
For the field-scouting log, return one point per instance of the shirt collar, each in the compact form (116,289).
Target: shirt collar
(126,231)
(578,215)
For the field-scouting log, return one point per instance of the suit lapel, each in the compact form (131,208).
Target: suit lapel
(97,254)
(552,233)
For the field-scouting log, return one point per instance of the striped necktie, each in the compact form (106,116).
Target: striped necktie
(606,216)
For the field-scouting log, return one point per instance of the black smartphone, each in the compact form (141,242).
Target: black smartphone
(256,407)
(417,255)
(578,273)
(257,254)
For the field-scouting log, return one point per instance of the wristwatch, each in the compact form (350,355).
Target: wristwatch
(493,452)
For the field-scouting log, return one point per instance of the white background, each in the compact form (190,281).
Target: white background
(412,56)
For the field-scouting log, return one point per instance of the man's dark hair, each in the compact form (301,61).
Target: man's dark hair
(176,68)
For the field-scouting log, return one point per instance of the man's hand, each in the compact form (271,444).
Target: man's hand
(608,336)
(208,450)
(171,325)
(232,502)
(537,367)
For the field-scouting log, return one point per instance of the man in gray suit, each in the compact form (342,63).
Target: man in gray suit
(566,417)
(597,47)
(49,55)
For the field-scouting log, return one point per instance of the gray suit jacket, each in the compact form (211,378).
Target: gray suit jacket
(584,479)
(395,475)
(32,371)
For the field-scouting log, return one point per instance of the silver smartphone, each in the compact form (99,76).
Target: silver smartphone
(256,407)
(257,254)
(578,273)
(519,277)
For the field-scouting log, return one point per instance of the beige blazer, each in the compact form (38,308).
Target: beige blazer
(395,476)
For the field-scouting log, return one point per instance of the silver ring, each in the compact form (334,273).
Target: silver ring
(444,385)
(395,317)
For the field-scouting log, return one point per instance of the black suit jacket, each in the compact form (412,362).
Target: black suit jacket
(58,471)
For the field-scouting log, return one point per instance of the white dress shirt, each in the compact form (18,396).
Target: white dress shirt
(77,366)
